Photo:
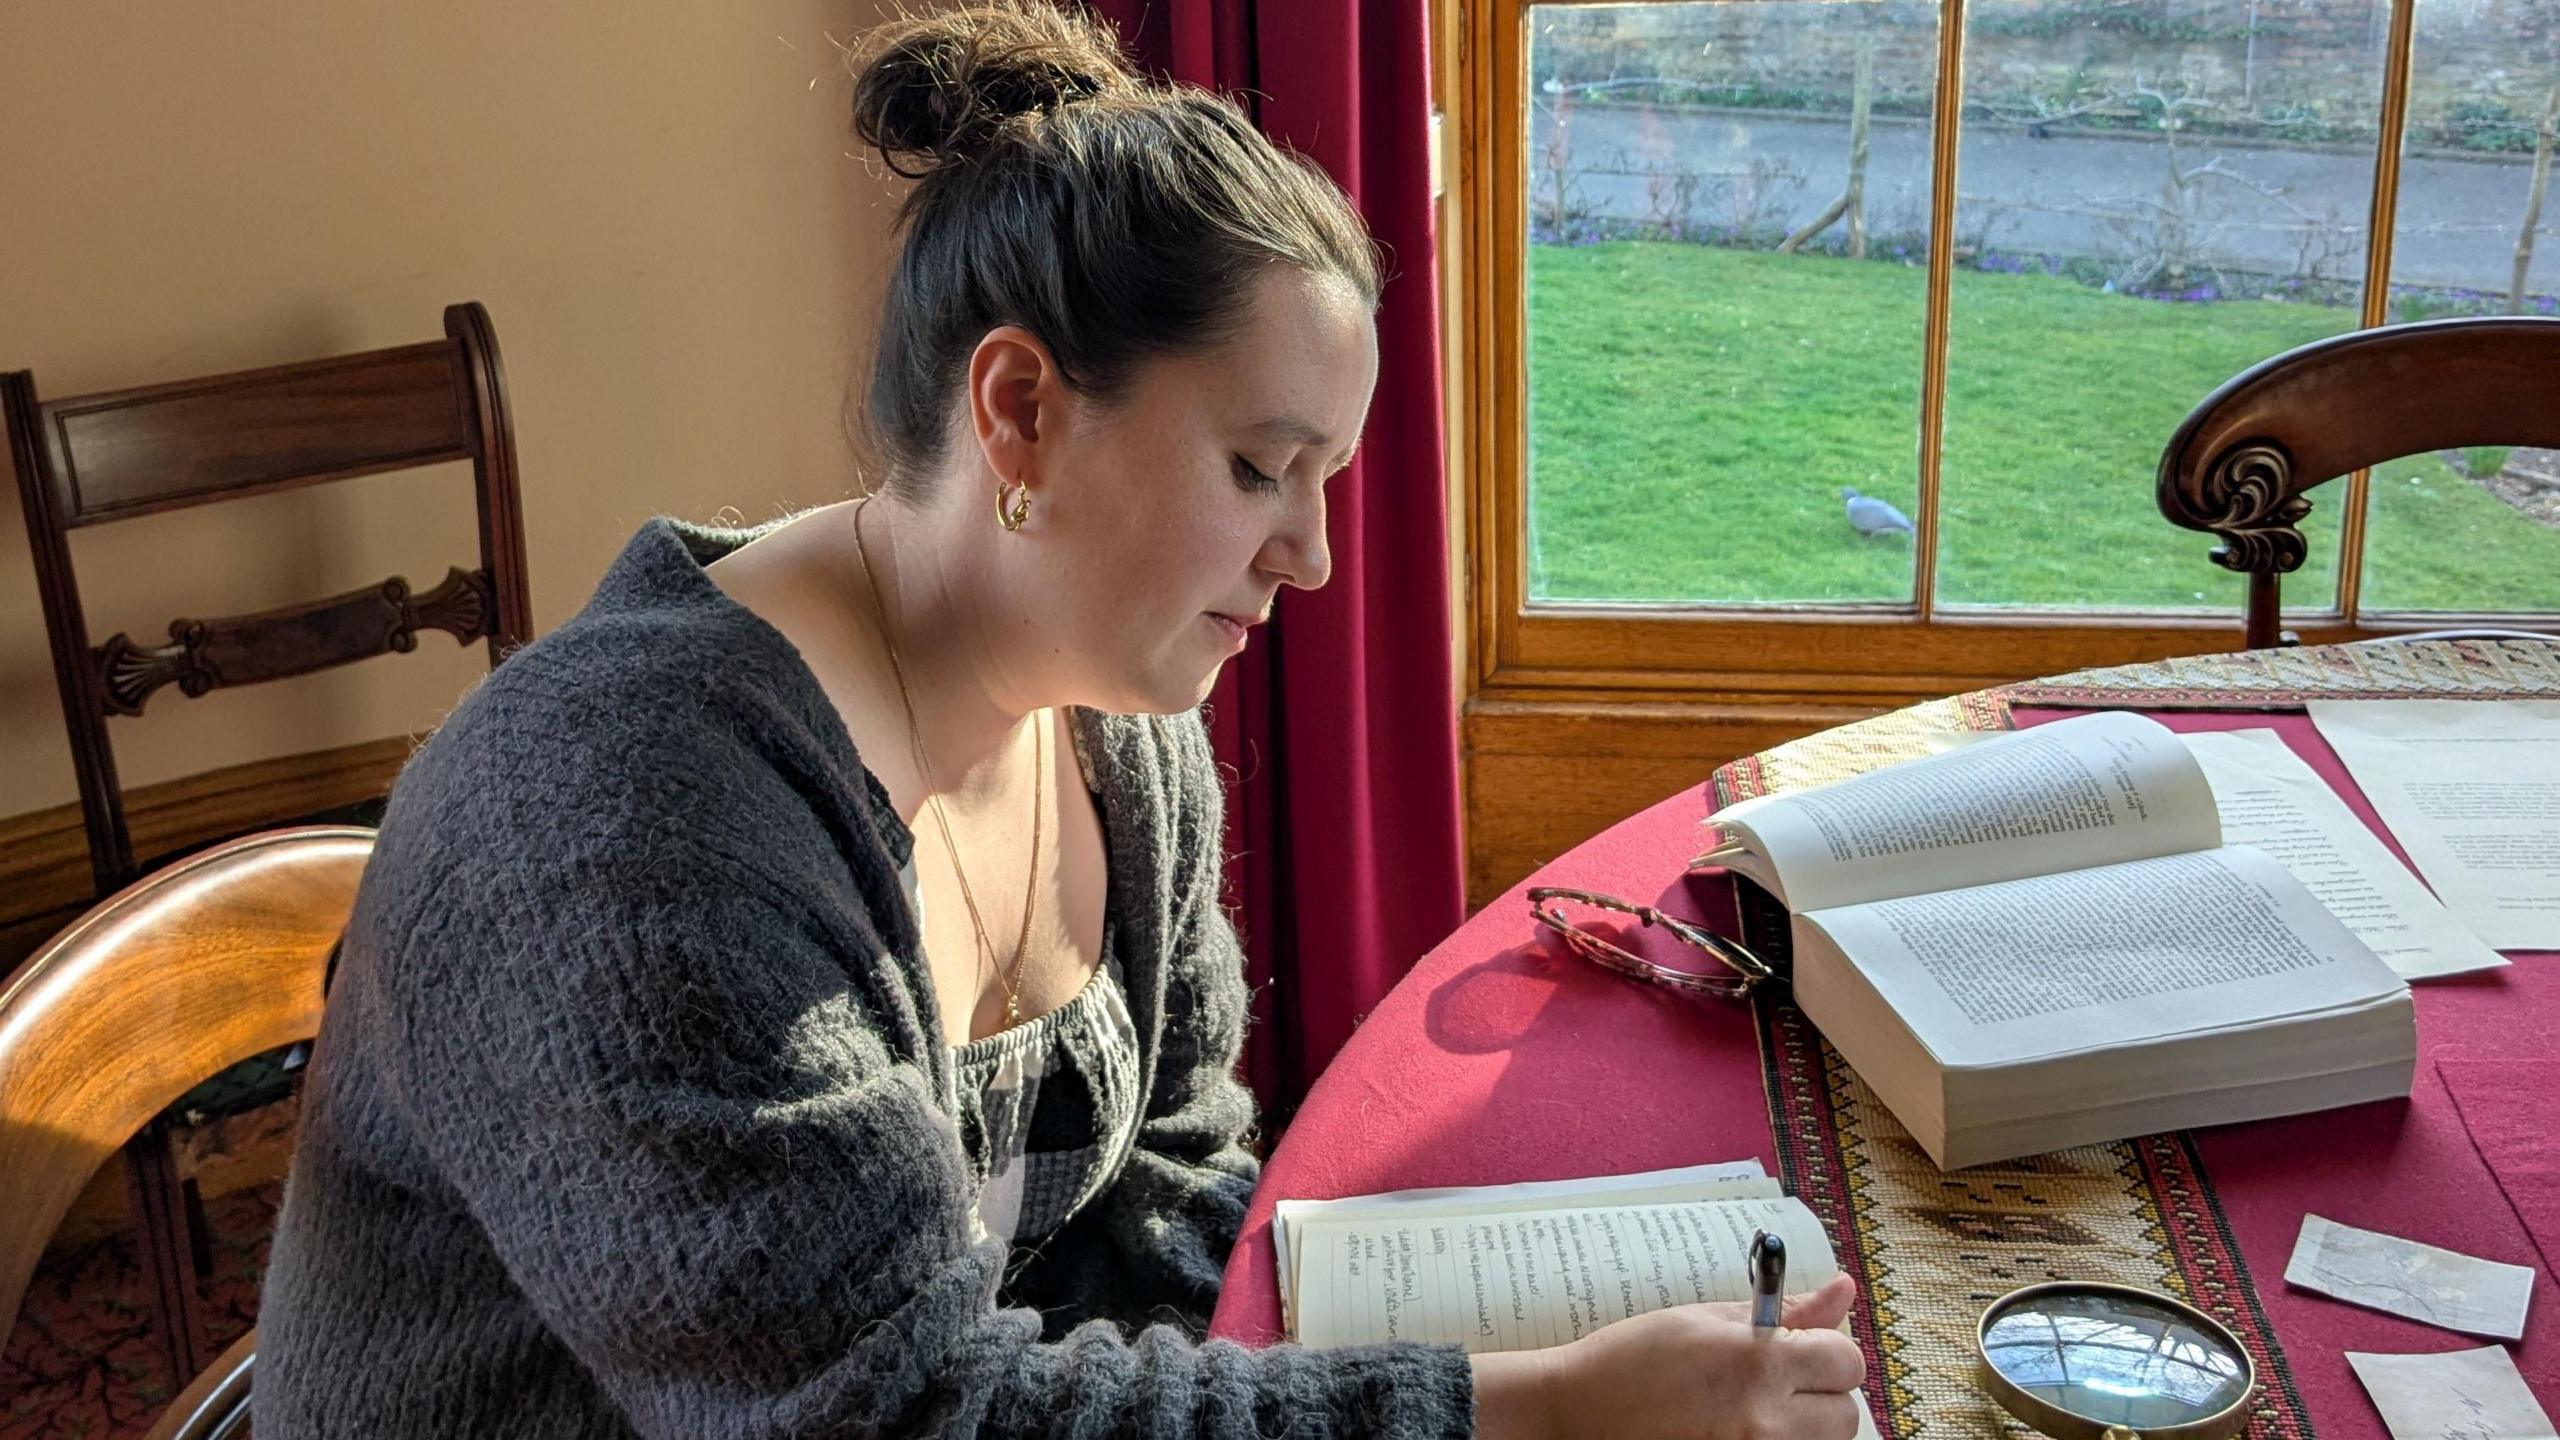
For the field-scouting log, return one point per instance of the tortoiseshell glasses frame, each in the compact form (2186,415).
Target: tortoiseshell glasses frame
(1742,971)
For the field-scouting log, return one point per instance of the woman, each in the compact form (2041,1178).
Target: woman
(791,999)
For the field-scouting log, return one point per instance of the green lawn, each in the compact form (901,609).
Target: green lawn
(1695,411)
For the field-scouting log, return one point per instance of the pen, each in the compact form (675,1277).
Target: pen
(1768,1278)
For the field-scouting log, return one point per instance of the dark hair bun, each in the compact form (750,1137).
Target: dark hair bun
(937,88)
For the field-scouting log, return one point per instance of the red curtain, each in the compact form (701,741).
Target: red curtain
(1337,720)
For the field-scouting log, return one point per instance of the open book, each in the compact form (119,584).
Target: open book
(1522,1267)
(2040,941)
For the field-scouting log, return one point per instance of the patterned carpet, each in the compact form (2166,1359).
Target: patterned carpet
(83,1364)
(83,1361)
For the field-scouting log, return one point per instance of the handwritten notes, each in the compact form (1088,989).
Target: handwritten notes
(1725,1180)
(1523,1281)
(1537,1264)
(2384,1272)
(2457,1395)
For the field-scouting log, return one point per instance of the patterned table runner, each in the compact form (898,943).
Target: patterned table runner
(2283,679)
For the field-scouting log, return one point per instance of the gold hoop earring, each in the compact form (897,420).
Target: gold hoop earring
(1011,517)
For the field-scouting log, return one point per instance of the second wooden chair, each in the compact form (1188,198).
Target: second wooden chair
(2240,464)
(205,962)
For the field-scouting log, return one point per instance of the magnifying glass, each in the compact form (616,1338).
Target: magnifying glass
(2085,1360)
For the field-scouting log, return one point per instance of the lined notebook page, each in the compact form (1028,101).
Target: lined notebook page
(1731,1180)
(1529,1280)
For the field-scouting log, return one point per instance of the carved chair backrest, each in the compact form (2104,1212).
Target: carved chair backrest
(2239,465)
(96,459)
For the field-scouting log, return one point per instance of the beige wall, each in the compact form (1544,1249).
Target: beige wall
(655,201)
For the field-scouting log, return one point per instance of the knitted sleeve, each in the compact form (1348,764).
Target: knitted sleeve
(650,1078)
(1154,1246)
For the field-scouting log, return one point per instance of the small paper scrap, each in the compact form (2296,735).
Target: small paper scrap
(2458,1395)
(2441,1287)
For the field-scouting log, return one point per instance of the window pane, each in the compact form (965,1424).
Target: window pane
(1700,391)
(2153,196)
(2476,528)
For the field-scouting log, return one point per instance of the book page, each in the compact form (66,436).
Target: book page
(1728,1180)
(1532,1279)
(2471,789)
(2117,955)
(2274,802)
(2089,790)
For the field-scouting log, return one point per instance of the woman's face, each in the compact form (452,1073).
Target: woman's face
(1180,510)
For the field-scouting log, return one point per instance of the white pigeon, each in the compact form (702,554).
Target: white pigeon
(1871,516)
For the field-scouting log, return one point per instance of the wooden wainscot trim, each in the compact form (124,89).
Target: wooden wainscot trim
(44,855)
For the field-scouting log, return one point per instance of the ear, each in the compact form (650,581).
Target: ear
(1016,398)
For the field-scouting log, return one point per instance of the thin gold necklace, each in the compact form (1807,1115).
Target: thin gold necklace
(933,794)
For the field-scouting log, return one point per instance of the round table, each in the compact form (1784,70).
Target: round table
(1501,1058)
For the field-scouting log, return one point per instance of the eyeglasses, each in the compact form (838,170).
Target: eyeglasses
(1734,973)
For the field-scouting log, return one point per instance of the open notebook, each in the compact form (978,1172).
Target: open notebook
(1526,1266)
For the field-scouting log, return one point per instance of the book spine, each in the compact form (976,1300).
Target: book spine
(1767,929)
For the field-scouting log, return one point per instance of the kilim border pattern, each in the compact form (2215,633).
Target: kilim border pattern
(2217,1278)
(2283,679)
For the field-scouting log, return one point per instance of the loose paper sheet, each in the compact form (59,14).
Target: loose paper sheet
(2272,800)
(2384,1272)
(2471,789)
(2457,1395)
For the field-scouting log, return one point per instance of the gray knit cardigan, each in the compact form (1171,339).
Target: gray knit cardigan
(627,1115)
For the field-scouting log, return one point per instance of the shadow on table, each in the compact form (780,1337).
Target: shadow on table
(1601,1073)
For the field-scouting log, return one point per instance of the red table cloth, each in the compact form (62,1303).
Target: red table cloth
(1500,1058)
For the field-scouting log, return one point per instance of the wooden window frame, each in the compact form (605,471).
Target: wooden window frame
(1516,652)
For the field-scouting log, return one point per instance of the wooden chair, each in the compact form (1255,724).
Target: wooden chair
(2239,465)
(96,459)
(212,959)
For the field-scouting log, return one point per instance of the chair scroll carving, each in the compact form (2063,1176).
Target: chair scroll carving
(2240,466)
(206,655)
(2245,498)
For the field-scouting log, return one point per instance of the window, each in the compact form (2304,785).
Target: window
(1717,265)
(1708,370)
(2473,234)
(1868,320)
(2152,198)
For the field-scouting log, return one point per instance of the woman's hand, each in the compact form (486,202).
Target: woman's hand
(1695,1372)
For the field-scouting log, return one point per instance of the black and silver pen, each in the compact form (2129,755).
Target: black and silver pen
(1768,1279)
